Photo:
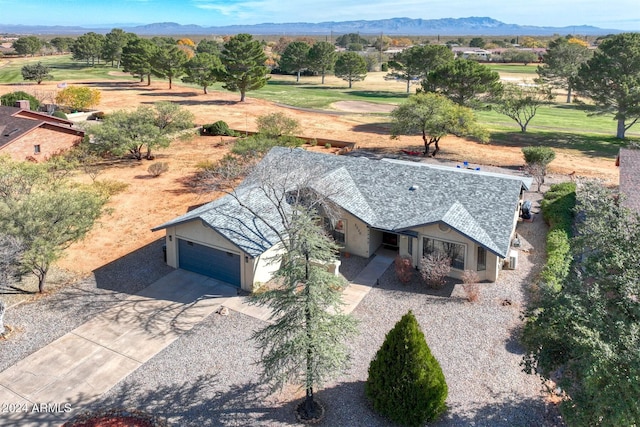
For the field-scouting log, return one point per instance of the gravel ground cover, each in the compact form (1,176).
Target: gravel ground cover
(210,376)
(45,319)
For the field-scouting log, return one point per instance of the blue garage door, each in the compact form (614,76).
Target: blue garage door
(221,265)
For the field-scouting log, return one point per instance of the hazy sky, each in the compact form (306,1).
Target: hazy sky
(615,14)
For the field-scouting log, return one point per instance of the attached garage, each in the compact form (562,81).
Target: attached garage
(219,264)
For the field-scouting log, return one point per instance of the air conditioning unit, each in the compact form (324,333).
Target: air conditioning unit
(513,260)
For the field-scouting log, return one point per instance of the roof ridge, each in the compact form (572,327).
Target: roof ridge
(458,209)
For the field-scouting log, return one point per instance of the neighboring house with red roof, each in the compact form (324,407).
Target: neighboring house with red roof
(34,136)
(629,163)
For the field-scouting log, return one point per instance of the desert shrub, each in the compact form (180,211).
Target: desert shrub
(205,165)
(537,159)
(434,268)
(157,169)
(404,269)
(59,114)
(254,146)
(110,187)
(470,285)
(219,128)
(98,115)
(290,141)
(405,382)
(225,171)
(327,145)
(10,99)
(277,124)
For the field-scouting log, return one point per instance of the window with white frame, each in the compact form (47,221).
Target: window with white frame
(454,251)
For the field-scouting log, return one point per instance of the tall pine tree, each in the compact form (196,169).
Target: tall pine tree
(244,70)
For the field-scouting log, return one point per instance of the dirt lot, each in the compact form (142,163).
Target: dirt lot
(148,202)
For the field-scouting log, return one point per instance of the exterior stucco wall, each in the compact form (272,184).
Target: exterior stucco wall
(265,265)
(357,236)
(471,251)
(50,142)
(375,240)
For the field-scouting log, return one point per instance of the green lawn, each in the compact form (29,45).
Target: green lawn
(515,69)
(558,125)
(557,117)
(593,145)
(321,96)
(62,68)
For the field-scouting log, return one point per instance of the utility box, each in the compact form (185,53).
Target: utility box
(512,262)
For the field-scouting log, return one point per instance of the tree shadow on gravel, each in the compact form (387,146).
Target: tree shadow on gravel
(347,405)
(114,282)
(135,270)
(389,282)
(203,402)
(505,412)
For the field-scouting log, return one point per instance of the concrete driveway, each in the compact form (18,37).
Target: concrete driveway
(48,387)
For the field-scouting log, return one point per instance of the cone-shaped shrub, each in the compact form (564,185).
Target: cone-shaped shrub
(406,383)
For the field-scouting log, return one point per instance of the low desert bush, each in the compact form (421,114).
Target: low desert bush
(434,268)
(404,269)
(275,125)
(110,187)
(219,128)
(470,285)
(205,165)
(157,169)
(59,114)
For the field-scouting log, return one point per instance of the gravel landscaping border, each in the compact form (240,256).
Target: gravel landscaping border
(210,376)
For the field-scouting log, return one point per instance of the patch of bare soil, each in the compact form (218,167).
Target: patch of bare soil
(148,202)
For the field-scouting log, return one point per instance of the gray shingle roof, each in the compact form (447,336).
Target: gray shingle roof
(478,205)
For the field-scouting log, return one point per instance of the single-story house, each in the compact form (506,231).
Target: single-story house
(35,136)
(629,162)
(412,208)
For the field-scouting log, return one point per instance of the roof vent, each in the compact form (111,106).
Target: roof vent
(413,188)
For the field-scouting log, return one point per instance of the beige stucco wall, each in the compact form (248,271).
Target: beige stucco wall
(433,231)
(265,265)
(375,240)
(50,142)
(357,236)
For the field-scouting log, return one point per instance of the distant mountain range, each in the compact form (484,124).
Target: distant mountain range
(476,26)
